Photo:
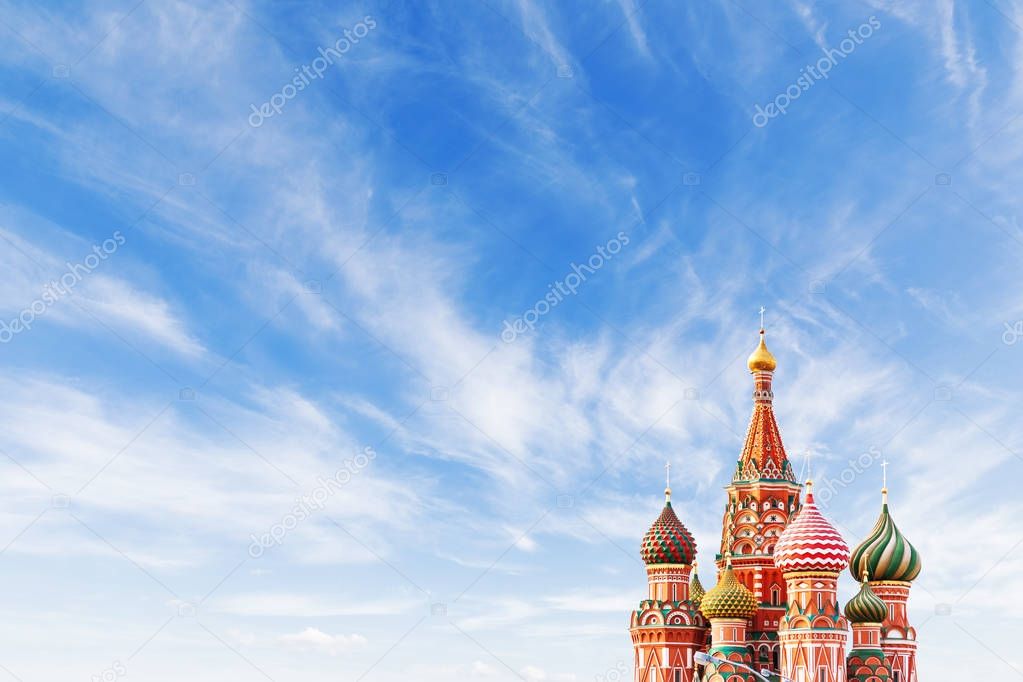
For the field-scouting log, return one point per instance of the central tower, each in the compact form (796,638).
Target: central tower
(762,498)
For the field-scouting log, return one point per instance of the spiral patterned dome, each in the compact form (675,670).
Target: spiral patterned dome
(696,591)
(886,553)
(668,541)
(810,542)
(729,598)
(866,607)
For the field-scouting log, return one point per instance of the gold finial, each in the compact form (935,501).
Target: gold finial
(761,359)
(728,559)
(866,575)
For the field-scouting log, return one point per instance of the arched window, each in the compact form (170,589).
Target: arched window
(775,596)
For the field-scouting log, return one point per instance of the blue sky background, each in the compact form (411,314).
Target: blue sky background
(338,278)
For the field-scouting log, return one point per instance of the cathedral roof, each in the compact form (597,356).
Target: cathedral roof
(696,591)
(763,454)
(810,542)
(729,598)
(761,360)
(886,553)
(866,607)
(668,541)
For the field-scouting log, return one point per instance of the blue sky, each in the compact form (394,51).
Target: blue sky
(265,302)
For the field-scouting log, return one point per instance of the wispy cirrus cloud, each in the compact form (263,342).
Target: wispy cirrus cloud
(337,279)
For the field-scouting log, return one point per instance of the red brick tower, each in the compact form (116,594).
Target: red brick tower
(728,606)
(891,564)
(813,633)
(667,629)
(762,497)
(866,661)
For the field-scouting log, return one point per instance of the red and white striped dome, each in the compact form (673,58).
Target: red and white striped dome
(810,542)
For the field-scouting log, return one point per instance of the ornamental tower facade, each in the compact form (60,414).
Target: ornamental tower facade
(762,498)
(891,564)
(667,629)
(813,633)
(729,605)
(866,661)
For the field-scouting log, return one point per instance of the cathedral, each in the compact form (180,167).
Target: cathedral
(774,613)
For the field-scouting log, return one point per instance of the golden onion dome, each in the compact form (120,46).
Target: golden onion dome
(729,598)
(696,591)
(761,359)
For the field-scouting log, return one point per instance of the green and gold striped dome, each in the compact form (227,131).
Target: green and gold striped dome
(866,607)
(886,553)
(729,598)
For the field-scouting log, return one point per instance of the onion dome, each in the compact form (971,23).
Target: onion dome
(866,607)
(729,598)
(696,591)
(886,554)
(761,359)
(810,542)
(668,541)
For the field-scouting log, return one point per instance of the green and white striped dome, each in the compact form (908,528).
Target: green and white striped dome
(866,607)
(886,553)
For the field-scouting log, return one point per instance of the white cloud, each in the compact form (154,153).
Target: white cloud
(96,293)
(312,639)
(567,402)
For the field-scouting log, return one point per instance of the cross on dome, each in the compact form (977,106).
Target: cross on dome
(761,359)
(808,465)
(667,478)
